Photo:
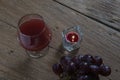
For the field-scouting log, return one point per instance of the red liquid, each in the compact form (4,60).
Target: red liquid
(72,37)
(34,35)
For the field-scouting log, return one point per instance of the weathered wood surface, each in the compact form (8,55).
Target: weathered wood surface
(16,65)
(104,11)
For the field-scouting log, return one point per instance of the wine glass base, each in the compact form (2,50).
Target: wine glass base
(37,54)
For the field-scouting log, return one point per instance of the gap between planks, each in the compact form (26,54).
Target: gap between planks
(8,23)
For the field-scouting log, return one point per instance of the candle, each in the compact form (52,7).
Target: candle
(72,37)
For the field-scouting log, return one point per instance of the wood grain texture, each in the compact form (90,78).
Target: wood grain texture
(104,11)
(98,40)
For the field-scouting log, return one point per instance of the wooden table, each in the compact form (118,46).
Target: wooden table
(99,20)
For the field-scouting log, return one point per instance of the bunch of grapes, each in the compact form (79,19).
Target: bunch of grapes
(80,67)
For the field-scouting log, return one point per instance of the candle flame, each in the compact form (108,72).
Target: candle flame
(73,37)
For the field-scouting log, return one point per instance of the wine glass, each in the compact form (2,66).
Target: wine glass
(34,35)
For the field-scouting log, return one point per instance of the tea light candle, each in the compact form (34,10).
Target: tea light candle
(72,37)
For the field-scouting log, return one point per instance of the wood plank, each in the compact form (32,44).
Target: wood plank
(104,11)
(98,39)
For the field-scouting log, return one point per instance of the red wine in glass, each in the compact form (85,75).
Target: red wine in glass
(34,35)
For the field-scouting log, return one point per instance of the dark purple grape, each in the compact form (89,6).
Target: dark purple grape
(84,68)
(105,70)
(82,72)
(83,65)
(93,77)
(80,57)
(65,60)
(76,61)
(98,60)
(57,69)
(89,77)
(88,58)
(94,69)
(71,68)
(73,77)
(83,77)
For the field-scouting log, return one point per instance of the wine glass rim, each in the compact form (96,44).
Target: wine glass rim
(29,15)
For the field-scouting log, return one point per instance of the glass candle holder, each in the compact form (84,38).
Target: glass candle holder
(71,38)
